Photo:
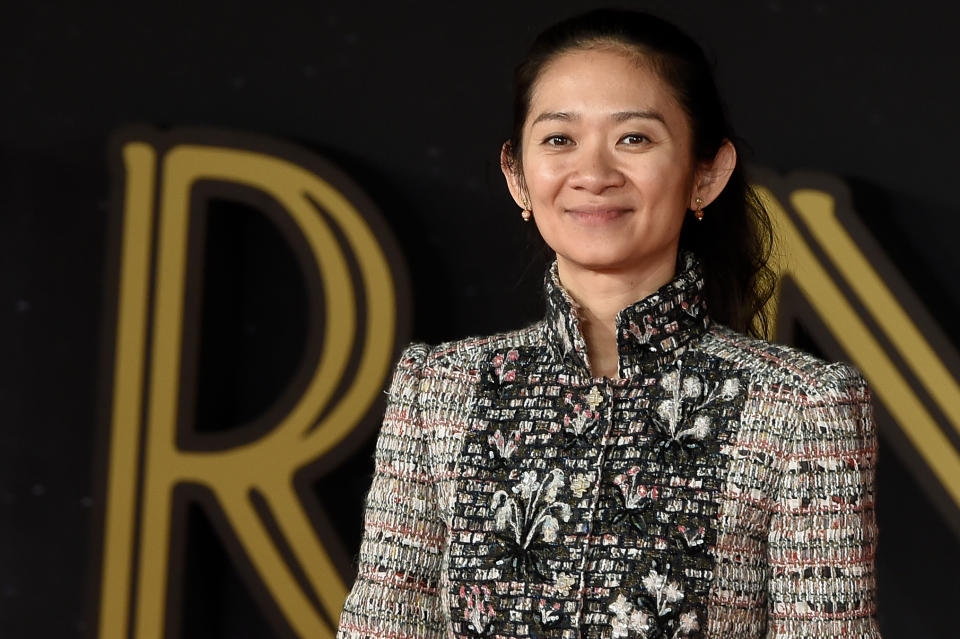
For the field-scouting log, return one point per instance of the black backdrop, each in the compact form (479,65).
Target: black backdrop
(413,102)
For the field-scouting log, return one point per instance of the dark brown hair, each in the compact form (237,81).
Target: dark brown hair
(734,239)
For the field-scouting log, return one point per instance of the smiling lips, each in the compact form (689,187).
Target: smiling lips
(591,215)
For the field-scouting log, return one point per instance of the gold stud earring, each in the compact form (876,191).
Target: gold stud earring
(699,212)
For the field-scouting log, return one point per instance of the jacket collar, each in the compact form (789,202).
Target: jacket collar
(652,330)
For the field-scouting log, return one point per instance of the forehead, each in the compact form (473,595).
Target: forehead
(599,80)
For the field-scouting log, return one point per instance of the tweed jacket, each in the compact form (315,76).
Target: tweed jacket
(720,486)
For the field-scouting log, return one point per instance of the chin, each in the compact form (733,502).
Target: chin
(601,258)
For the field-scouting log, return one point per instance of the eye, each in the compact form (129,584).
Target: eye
(634,139)
(557,140)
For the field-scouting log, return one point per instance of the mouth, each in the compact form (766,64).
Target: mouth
(592,215)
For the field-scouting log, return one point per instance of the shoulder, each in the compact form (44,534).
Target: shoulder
(813,408)
(449,369)
(470,353)
(782,369)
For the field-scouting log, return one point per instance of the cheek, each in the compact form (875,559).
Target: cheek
(663,182)
(544,177)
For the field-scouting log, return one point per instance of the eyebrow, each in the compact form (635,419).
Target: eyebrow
(619,116)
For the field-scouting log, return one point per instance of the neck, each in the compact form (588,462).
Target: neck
(601,295)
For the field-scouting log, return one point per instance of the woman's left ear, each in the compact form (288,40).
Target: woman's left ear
(713,176)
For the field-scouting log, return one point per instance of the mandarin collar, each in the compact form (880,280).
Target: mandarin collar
(652,330)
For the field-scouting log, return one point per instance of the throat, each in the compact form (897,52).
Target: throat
(601,339)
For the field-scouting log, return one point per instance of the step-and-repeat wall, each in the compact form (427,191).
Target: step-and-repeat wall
(221,227)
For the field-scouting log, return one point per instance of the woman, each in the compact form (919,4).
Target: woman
(634,465)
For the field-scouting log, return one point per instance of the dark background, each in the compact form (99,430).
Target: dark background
(413,102)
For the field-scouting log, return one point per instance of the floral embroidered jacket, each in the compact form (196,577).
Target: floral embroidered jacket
(721,486)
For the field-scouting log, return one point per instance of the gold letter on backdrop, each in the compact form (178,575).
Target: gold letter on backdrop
(858,308)
(252,483)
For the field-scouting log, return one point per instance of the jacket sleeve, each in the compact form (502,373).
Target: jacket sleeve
(395,594)
(823,533)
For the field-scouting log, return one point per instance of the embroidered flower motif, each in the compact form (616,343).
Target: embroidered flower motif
(477,611)
(534,510)
(730,388)
(594,399)
(504,366)
(672,592)
(528,484)
(659,604)
(549,613)
(505,448)
(667,409)
(665,592)
(549,529)
(701,426)
(581,424)
(580,483)
(633,501)
(662,622)
(625,619)
(563,582)
(688,622)
(691,387)
(670,381)
(684,418)
(621,607)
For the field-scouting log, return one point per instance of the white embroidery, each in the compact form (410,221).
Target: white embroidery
(564,582)
(625,619)
(730,388)
(681,420)
(666,594)
(580,483)
(533,510)
(549,613)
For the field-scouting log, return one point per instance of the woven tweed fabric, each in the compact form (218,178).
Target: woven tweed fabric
(720,486)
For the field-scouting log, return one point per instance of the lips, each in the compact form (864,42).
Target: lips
(597,214)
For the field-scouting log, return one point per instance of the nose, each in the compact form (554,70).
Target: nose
(595,170)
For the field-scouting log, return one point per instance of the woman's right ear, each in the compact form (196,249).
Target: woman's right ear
(508,167)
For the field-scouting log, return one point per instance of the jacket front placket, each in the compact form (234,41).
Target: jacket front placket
(584,505)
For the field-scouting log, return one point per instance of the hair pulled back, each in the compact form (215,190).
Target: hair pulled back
(734,239)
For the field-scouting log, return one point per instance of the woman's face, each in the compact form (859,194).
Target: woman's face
(607,162)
